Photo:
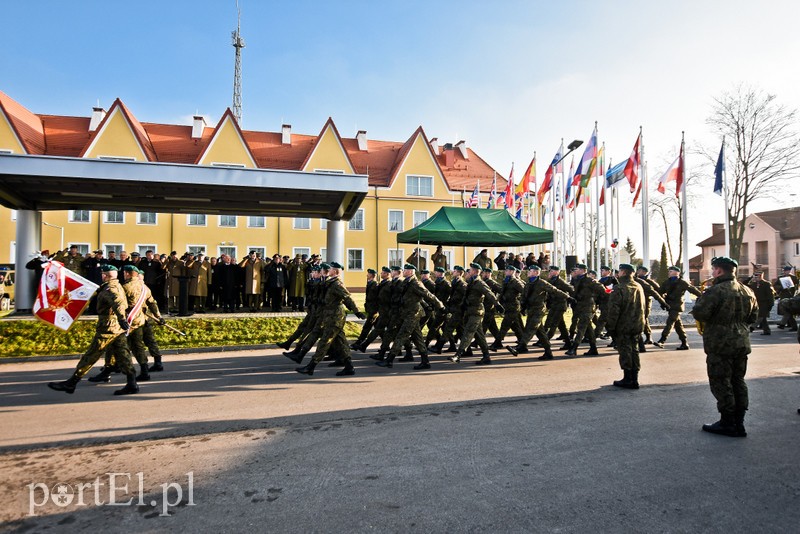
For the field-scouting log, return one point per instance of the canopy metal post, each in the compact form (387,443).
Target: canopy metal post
(29,241)
(335,242)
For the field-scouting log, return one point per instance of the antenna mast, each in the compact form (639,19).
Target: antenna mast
(238,44)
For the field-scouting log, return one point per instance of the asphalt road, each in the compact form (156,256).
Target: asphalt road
(519,446)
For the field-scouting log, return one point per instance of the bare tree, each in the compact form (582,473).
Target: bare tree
(669,209)
(762,150)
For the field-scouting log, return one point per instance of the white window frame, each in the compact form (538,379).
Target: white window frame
(401,256)
(235,221)
(258,248)
(139,218)
(414,217)
(323,224)
(361,250)
(105,217)
(220,251)
(301,251)
(106,250)
(402,220)
(81,247)
(294,223)
(230,165)
(117,158)
(12,249)
(142,249)
(363,222)
(189,220)
(14,215)
(418,177)
(448,253)
(74,221)
(197,249)
(251,217)
(323,254)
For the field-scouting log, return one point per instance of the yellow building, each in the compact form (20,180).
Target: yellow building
(408,182)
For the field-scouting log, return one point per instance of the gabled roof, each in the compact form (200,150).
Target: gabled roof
(786,221)
(332,125)
(717,238)
(209,137)
(136,127)
(26,125)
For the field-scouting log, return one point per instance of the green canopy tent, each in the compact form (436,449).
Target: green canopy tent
(452,226)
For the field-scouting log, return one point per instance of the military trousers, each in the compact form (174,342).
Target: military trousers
(391,331)
(627,346)
(555,321)
(136,345)
(490,323)
(472,329)
(149,338)
(115,344)
(332,339)
(453,328)
(674,319)
(367,326)
(648,305)
(512,320)
(533,326)
(726,378)
(409,331)
(583,327)
(379,328)
(435,325)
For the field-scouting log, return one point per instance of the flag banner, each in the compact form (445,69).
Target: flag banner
(673,174)
(602,197)
(719,169)
(588,162)
(555,167)
(616,175)
(492,194)
(632,165)
(510,190)
(524,186)
(473,200)
(62,296)
(638,192)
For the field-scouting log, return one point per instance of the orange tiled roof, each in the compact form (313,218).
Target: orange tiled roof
(173,143)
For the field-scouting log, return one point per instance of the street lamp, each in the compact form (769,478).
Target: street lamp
(62,232)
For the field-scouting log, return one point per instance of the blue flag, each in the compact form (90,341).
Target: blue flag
(719,169)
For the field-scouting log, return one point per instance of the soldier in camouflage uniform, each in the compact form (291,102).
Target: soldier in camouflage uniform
(71,259)
(334,317)
(510,300)
(453,324)
(625,323)
(489,320)
(787,318)
(370,308)
(650,289)
(136,291)
(306,326)
(427,310)
(608,281)
(111,327)
(725,311)
(412,294)
(384,312)
(395,318)
(557,306)
(441,291)
(672,290)
(587,293)
(533,301)
(765,296)
(472,311)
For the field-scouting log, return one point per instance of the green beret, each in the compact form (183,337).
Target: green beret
(674,268)
(372,271)
(592,271)
(337,265)
(487,269)
(555,268)
(458,268)
(424,271)
(316,268)
(510,267)
(475,266)
(385,269)
(723,261)
(626,267)
(605,268)
(130,268)
(410,266)
(643,268)
(534,267)
(580,266)
(788,268)
(440,270)
(107,267)
(324,266)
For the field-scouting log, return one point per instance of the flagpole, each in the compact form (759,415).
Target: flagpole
(645,205)
(685,235)
(725,197)
(606,200)
(597,206)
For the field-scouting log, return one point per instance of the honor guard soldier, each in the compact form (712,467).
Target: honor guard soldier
(370,307)
(625,323)
(609,282)
(454,311)
(650,289)
(489,321)
(472,315)
(384,311)
(725,311)
(441,291)
(673,290)
(786,287)
(557,306)
(587,293)
(509,298)
(312,312)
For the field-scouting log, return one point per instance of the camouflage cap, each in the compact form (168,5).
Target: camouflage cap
(440,269)
(723,261)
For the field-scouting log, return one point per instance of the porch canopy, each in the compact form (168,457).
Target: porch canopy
(475,227)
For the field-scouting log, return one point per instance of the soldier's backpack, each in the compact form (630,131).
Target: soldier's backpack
(791,305)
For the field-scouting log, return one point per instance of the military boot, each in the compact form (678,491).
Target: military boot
(103,376)
(683,345)
(156,367)
(660,343)
(726,426)
(548,355)
(438,347)
(641,347)
(379,356)
(144,374)
(455,358)
(567,344)
(626,380)
(424,363)
(592,350)
(497,345)
(388,362)
(634,379)
(739,420)
(297,354)
(284,344)
(67,386)
(130,388)
(486,360)
(573,349)
(348,370)
(307,370)
(452,348)
(648,340)
(409,357)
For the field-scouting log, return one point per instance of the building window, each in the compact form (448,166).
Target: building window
(196,249)
(357,222)
(355,259)
(323,254)
(419,186)
(196,219)
(230,251)
(396,257)
(256,221)
(261,252)
(115,217)
(797,248)
(302,223)
(13,215)
(228,221)
(323,224)
(146,217)
(79,216)
(420,217)
(301,251)
(762,253)
(744,254)
(449,255)
(142,249)
(116,249)
(395,221)
(83,248)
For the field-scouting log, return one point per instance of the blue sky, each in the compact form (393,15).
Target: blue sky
(508,77)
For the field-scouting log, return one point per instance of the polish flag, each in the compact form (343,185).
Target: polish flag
(673,174)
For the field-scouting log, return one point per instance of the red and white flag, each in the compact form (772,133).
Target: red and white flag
(673,174)
(62,296)
(632,167)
